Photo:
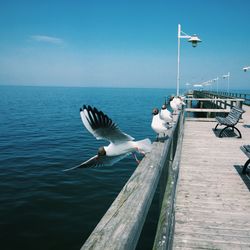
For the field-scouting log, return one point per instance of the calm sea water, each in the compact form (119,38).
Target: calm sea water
(40,135)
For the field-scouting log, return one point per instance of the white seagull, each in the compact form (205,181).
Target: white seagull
(165,114)
(121,144)
(158,125)
(182,98)
(173,104)
(180,101)
(176,103)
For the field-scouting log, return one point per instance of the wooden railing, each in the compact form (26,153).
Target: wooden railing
(210,103)
(223,94)
(121,226)
(246,97)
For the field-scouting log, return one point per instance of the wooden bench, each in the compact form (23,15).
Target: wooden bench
(230,121)
(246,150)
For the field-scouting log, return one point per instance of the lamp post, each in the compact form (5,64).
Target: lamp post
(194,40)
(210,82)
(227,76)
(216,80)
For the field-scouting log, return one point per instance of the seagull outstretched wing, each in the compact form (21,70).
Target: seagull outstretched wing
(101,126)
(99,161)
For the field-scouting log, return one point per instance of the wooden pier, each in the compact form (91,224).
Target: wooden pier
(205,199)
(213,198)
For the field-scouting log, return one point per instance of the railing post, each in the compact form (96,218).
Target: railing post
(225,104)
(239,104)
(231,104)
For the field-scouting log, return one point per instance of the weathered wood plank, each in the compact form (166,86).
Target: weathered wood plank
(118,229)
(207,110)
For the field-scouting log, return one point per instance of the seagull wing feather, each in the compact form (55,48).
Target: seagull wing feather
(99,161)
(101,126)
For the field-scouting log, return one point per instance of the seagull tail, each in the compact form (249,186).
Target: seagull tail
(144,146)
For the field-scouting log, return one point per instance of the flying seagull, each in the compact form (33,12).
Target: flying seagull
(103,128)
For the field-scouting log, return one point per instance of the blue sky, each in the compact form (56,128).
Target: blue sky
(123,43)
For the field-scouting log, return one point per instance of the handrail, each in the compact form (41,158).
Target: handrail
(121,226)
(216,98)
(210,104)
(212,99)
(245,96)
(206,110)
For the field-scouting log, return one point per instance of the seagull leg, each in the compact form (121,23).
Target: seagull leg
(134,155)
(139,151)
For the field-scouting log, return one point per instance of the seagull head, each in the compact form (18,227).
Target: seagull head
(164,106)
(155,111)
(171,98)
(101,151)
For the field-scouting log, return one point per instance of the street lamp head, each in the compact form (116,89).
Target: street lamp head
(246,68)
(194,40)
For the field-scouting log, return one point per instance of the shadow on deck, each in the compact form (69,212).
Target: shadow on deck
(245,178)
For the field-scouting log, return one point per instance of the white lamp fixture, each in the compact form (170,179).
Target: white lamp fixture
(198,85)
(194,40)
(246,68)
(227,76)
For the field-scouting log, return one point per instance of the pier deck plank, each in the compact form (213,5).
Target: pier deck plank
(213,197)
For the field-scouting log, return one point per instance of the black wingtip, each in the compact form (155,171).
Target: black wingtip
(83,107)
(96,118)
(89,107)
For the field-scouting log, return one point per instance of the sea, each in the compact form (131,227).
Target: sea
(41,134)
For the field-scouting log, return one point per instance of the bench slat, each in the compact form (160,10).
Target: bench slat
(232,118)
(230,121)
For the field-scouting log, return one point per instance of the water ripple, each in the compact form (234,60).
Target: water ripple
(43,207)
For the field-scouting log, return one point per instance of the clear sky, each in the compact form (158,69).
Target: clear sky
(123,43)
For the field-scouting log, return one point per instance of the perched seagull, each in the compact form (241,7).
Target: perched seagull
(180,101)
(165,114)
(121,144)
(158,125)
(174,104)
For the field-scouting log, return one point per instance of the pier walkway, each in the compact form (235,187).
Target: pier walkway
(213,197)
